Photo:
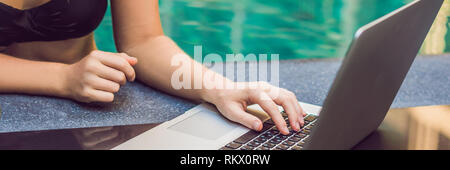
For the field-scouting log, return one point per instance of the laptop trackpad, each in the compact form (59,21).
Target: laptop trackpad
(205,124)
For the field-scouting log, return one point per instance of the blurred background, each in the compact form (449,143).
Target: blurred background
(295,29)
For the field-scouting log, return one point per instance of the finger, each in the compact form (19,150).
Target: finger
(112,74)
(301,112)
(117,62)
(290,99)
(293,99)
(237,114)
(268,105)
(297,105)
(103,84)
(284,101)
(284,98)
(101,96)
(131,60)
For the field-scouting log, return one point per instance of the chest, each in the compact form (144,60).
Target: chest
(48,20)
(24,4)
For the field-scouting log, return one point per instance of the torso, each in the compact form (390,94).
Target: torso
(64,51)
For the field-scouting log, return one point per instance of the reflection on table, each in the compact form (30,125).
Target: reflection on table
(409,128)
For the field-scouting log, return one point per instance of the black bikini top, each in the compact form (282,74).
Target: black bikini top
(53,21)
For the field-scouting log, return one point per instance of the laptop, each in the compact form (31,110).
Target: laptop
(365,86)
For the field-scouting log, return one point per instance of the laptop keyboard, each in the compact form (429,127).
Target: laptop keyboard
(269,138)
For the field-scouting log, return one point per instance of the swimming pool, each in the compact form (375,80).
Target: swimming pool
(291,28)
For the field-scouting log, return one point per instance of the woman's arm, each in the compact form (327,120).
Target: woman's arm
(31,77)
(138,32)
(93,79)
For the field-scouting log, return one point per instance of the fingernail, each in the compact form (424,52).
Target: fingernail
(302,122)
(256,126)
(297,126)
(285,129)
(132,60)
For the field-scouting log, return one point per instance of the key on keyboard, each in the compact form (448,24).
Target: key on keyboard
(270,138)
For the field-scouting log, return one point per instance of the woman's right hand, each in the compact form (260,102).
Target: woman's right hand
(98,76)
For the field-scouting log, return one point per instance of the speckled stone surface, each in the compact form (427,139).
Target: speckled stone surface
(426,84)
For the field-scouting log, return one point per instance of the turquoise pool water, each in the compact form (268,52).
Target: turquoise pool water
(290,28)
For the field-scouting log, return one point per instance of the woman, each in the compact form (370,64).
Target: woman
(47,48)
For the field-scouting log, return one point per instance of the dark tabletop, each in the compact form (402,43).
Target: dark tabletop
(426,84)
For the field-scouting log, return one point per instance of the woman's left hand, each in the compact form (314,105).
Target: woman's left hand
(232,103)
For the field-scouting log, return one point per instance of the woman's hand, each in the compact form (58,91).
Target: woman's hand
(98,76)
(232,103)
